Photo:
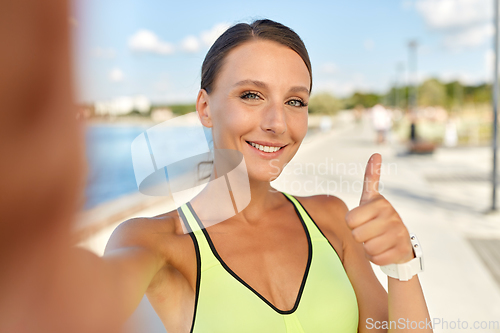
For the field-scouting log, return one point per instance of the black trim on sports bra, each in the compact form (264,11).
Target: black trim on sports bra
(301,205)
(198,264)
(230,271)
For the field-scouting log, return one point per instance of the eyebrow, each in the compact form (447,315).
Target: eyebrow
(264,85)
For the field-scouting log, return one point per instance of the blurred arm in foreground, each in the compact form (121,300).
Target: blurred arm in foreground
(45,284)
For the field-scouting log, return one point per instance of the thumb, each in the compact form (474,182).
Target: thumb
(372,178)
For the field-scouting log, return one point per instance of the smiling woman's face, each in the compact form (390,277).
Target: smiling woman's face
(259,100)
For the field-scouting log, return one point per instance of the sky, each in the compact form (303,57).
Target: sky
(155,48)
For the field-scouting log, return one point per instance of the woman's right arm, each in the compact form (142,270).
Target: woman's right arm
(87,293)
(130,262)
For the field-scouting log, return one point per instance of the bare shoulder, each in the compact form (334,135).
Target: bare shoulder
(328,208)
(328,212)
(327,202)
(157,234)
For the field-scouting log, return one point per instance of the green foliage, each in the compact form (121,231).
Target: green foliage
(324,103)
(478,94)
(366,100)
(432,93)
(178,109)
(397,97)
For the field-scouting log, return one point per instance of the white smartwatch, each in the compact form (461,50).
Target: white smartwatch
(404,272)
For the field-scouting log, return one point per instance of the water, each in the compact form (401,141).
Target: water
(109,157)
(110,170)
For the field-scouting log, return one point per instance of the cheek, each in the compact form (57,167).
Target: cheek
(234,119)
(298,126)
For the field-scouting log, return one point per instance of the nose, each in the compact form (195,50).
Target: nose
(274,119)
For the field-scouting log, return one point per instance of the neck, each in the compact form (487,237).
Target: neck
(233,196)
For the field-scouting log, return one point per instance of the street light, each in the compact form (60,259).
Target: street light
(495,112)
(412,66)
(399,71)
(412,98)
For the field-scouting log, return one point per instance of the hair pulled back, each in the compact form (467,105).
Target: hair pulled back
(242,32)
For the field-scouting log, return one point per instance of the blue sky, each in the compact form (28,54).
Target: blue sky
(155,48)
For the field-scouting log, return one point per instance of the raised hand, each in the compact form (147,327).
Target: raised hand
(376,224)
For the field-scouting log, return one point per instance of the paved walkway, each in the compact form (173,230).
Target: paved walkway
(441,198)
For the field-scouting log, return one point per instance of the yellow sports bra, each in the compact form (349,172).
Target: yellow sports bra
(224,303)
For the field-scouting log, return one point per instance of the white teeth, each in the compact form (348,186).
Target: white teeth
(266,149)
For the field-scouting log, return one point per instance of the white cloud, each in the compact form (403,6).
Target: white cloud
(104,53)
(329,68)
(147,41)
(116,75)
(369,44)
(470,37)
(190,44)
(464,23)
(208,37)
(445,14)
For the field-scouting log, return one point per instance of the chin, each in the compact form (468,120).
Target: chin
(267,175)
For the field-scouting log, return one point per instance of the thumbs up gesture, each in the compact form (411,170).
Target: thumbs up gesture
(376,224)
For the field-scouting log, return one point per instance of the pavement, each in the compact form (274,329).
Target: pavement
(443,198)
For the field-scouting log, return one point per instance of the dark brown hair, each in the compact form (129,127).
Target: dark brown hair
(243,32)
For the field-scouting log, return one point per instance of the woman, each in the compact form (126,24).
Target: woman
(284,263)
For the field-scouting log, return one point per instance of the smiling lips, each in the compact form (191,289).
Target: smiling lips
(270,148)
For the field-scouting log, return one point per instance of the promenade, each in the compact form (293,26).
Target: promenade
(441,198)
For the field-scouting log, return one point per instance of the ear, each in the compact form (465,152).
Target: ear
(203,108)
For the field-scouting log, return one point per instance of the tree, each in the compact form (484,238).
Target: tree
(324,103)
(432,93)
(367,100)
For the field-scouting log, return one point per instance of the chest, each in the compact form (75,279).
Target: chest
(265,255)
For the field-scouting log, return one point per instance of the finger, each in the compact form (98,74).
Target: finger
(373,229)
(379,245)
(393,255)
(363,214)
(372,178)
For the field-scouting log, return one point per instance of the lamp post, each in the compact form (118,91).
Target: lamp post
(412,98)
(399,70)
(412,66)
(495,112)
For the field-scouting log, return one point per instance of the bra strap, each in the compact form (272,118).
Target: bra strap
(194,226)
(314,231)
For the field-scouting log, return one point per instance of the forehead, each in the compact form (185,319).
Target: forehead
(266,61)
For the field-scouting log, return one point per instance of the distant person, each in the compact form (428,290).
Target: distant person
(450,133)
(325,124)
(382,122)
(413,128)
(358,113)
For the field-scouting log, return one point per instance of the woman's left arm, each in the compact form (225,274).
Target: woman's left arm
(380,233)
